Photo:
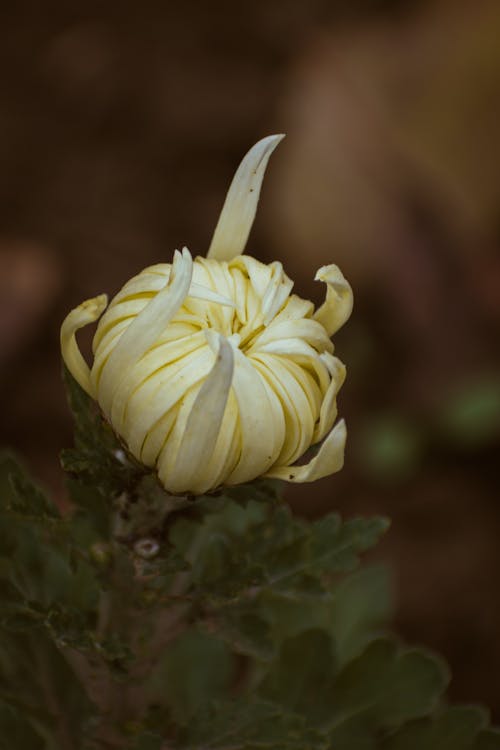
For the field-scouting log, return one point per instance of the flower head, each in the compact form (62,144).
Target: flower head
(210,370)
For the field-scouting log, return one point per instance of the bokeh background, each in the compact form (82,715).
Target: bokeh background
(120,127)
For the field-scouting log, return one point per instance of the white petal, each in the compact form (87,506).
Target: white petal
(208,295)
(203,425)
(277,292)
(337,307)
(145,329)
(328,460)
(88,312)
(328,411)
(310,331)
(295,406)
(261,422)
(151,398)
(238,212)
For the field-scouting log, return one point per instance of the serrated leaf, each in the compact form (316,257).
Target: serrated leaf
(148,741)
(456,728)
(202,665)
(26,501)
(17,732)
(388,685)
(336,546)
(303,676)
(37,683)
(248,724)
(69,627)
(276,551)
(489,739)
(355,734)
(98,460)
(245,632)
(260,491)
(359,610)
(21,617)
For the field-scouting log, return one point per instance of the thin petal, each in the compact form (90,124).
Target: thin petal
(88,312)
(261,422)
(277,292)
(238,212)
(295,408)
(152,398)
(337,307)
(145,329)
(208,295)
(328,411)
(328,460)
(203,424)
(310,331)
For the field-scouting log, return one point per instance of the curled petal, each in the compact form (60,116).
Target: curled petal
(328,411)
(203,424)
(337,307)
(144,330)
(88,312)
(238,212)
(328,460)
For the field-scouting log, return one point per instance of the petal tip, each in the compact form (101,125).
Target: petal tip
(240,206)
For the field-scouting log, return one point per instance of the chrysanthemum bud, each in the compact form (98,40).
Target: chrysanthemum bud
(211,371)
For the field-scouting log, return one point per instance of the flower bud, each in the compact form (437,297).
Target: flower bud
(210,370)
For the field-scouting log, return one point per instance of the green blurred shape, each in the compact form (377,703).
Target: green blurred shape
(471,415)
(390,448)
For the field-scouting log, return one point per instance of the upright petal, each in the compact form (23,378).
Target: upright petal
(203,424)
(88,312)
(238,212)
(145,329)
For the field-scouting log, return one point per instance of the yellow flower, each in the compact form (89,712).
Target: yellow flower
(210,370)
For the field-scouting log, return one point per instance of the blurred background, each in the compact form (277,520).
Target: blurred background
(120,128)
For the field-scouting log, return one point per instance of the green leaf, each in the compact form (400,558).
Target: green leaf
(274,550)
(359,610)
(336,547)
(303,677)
(17,731)
(21,617)
(456,728)
(388,685)
(355,734)
(26,500)
(248,724)
(98,460)
(489,739)
(203,668)
(244,631)
(148,741)
(39,687)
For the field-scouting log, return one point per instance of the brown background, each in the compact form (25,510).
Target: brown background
(120,127)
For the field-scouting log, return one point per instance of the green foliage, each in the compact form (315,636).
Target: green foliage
(16,730)
(456,728)
(43,704)
(98,460)
(140,620)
